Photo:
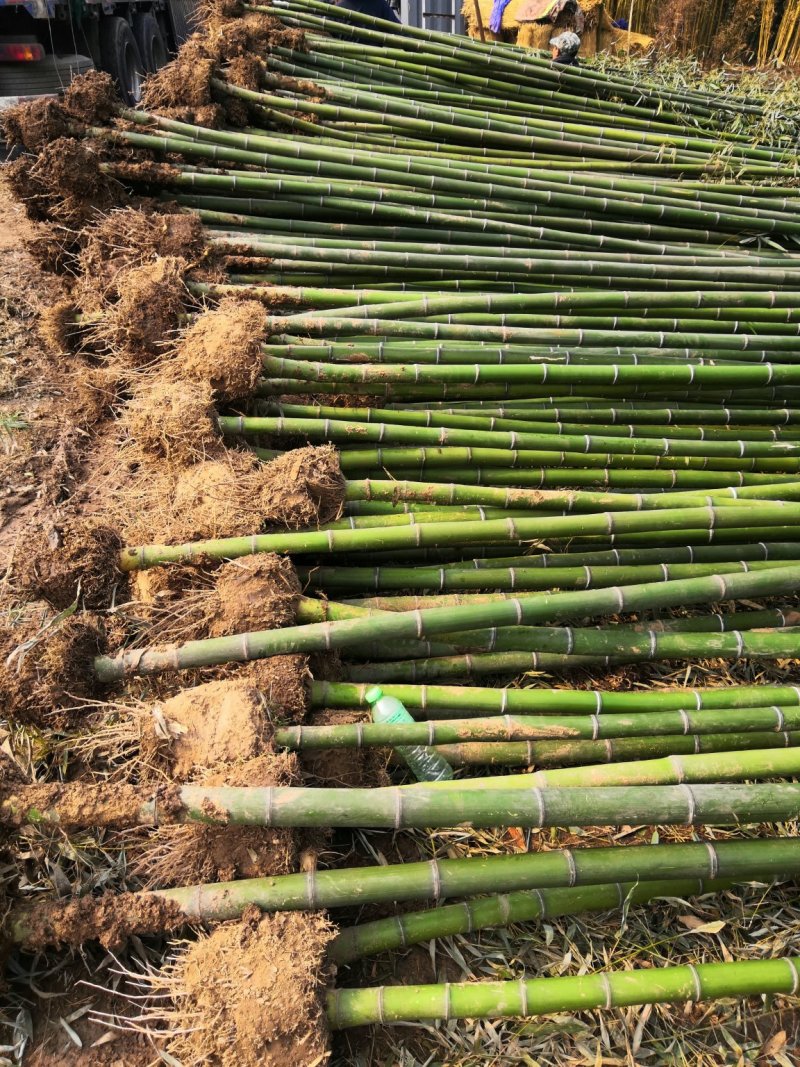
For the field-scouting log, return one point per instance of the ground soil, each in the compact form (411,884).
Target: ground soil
(353,768)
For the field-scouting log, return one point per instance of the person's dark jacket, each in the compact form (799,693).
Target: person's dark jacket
(379,9)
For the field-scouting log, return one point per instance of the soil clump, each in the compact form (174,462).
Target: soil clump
(250,994)
(68,560)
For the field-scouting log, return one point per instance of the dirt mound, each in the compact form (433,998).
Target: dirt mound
(92,97)
(186,854)
(249,995)
(220,722)
(63,183)
(148,311)
(304,487)
(172,420)
(45,668)
(255,593)
(223,347)
(128,237)
(109,919)
(35,123)
(282,681)
(210,499)
(67,560)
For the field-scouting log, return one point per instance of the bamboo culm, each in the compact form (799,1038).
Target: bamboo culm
(541,996)
(418,806)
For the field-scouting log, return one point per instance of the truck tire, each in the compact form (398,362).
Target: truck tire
(120,57)
(150,39)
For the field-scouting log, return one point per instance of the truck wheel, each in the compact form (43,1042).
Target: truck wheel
(120,57)
(150,39)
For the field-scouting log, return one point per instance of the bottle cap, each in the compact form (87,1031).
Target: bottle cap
(373,695)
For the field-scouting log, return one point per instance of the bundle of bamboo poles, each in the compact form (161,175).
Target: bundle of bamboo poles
(557,311)
(577,353)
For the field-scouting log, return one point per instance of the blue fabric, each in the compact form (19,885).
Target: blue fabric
(496,17)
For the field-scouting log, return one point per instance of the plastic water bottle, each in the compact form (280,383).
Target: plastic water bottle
(426,763)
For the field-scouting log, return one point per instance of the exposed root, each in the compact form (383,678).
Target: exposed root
(35,123)
(64,183)
(172,604)
(183,88)
(249,995)
(304,487)
(246,71)
(171,420)
(148,311)
(170,503)
(119,742)
(92,97)
(67,560)
(128,237)
(58,327)
(55,254)
(231,494)
(223,347)
(211,498)
(44,668)
(185,854)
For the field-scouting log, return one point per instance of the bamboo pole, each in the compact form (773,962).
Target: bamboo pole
(397,807)
(540,996)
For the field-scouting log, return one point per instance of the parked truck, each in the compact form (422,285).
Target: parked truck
(44,44)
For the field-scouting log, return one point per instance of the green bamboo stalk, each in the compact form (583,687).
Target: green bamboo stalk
(387,579)
(417,806)
(540,996)
(675,769)
(602,647)
(487,531)
(344,431)
(458,701)
(538,727)
(502,910)
(451,494)
(436,880)
(547,754)
(555,607)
